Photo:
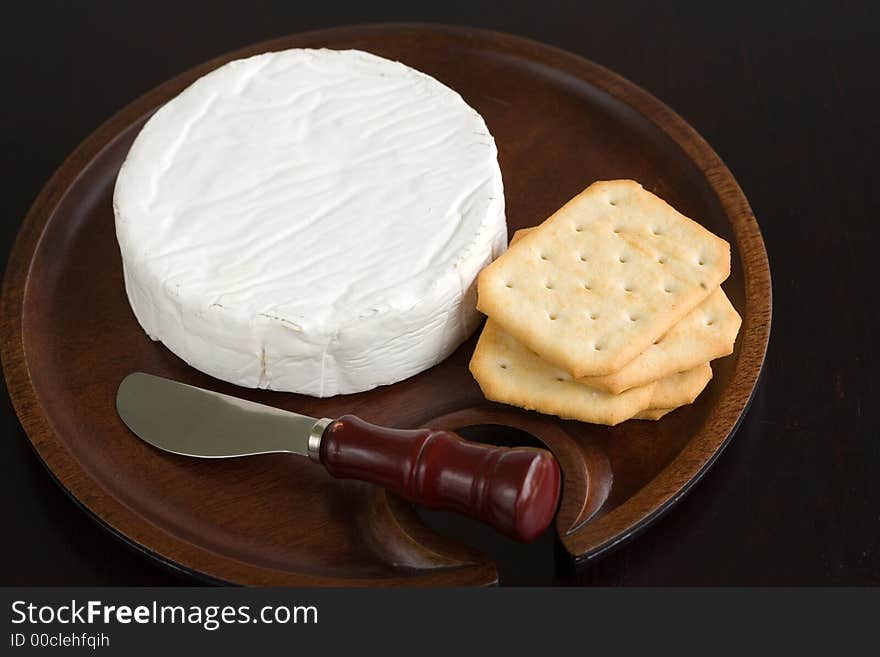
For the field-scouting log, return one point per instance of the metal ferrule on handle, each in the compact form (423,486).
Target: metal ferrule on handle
(314,444)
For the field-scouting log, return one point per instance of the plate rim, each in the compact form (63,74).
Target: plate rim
(595,538)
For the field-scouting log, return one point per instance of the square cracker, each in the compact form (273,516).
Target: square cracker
(510,373)
(652,413)
(680,388)
(676,391)
(603,278)
(707,332)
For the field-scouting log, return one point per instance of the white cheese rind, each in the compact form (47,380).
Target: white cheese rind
(310,221)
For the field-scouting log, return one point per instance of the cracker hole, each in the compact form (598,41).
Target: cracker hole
(548,285)
(658,340)
(597,347)
(656,232)
(543,256)
(508,285)
(560,378)
(594,316)
(709,322)
(612,202)
(662,260)
(552,317)
(633,318)
(582,257)
(617,230)
(703,285)
(627,288)
(588,287)
(578,229)
(622,259)
(503,366)
(701,262)
(667,289)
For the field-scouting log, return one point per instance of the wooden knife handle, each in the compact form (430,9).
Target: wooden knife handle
(515,490)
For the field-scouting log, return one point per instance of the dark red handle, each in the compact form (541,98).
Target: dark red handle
(515,490)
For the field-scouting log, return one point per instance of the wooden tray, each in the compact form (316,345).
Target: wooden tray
(561,122)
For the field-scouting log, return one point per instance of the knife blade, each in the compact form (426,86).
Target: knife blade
(516,490)
(191,421)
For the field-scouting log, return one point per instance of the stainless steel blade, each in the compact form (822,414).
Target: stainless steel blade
(194,422)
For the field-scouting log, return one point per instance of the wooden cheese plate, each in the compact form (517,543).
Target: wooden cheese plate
(561,122)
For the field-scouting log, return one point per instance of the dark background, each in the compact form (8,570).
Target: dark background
(788,94)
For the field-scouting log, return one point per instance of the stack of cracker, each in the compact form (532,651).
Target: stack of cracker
(609,310)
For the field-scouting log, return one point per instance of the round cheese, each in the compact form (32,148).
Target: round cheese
(310,221)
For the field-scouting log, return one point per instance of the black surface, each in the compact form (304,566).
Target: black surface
(787,94)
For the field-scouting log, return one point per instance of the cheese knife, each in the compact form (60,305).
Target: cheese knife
(515,490)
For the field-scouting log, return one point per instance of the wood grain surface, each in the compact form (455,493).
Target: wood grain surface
(732,93)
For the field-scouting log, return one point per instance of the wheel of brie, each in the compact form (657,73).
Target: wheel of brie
(310,221)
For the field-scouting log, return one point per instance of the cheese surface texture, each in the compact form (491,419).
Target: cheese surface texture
(310,221)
